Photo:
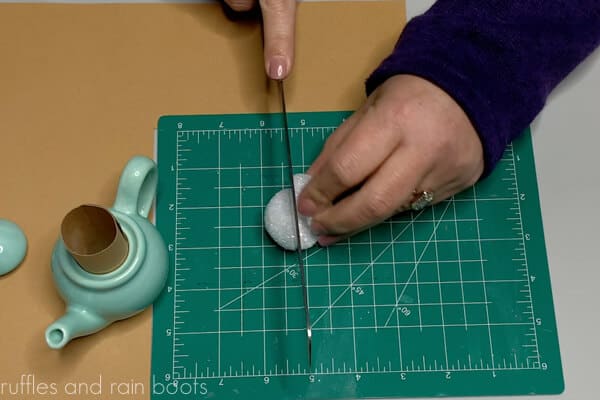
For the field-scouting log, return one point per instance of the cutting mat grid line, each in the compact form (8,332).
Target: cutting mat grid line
(445,291)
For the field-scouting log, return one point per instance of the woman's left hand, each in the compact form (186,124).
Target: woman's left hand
(409,136)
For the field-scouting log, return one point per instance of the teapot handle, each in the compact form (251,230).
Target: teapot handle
(137,187)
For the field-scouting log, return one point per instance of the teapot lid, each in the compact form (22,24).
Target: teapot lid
(13,246)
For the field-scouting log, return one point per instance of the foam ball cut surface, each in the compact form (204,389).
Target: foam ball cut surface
(279,218)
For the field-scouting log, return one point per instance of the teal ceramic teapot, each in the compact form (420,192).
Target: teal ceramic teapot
(115,280)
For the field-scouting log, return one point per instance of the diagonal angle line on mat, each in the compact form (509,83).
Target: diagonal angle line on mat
(414,270)
(263,283)
(368,266)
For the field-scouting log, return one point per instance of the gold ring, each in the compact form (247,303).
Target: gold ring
(421,200)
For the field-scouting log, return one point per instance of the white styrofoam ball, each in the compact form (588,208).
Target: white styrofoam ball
(279,218)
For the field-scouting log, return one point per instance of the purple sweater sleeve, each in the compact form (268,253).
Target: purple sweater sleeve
(499,59)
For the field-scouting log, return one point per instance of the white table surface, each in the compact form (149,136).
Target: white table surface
(566,141)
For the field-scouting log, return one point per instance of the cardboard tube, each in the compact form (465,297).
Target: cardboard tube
(93,237)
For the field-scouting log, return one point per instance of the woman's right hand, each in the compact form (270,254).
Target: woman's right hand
(279,26)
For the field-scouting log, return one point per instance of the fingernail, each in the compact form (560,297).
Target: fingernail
(277,67)
(307,207)
(326,240)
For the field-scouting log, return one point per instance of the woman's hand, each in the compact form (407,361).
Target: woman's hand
(279,25)
(409,136)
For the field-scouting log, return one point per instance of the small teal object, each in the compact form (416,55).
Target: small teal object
(96,300)
(13,246)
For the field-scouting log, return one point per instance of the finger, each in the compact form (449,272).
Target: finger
(305,205)
(240,5)
(444,181)
(386,192)
(333,142)
(442,189)
(279,26)
(350,163)
(441,194)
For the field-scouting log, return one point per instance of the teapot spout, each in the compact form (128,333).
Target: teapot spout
(76,322)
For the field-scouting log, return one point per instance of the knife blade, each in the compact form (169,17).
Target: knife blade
(296,222)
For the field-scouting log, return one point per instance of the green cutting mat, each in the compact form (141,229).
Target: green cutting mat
(452,301)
